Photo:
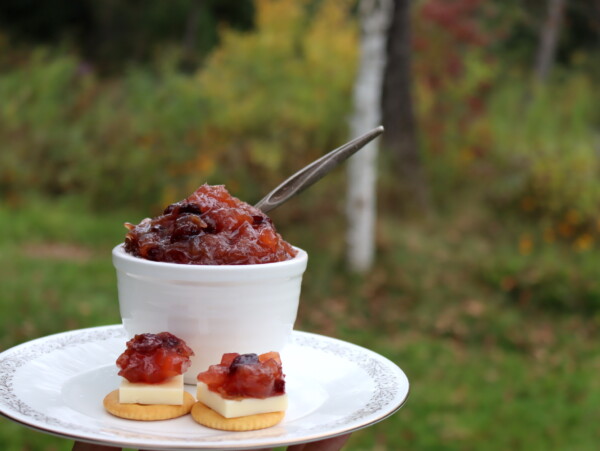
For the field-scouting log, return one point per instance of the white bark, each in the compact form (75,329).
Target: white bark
(548,39)
(375,17)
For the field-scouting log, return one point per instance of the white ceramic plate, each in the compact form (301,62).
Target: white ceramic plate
(56,385)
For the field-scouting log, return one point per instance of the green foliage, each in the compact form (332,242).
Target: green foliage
(547,143)
(540,279)
(262,106)
(490,135)
(486,130)
(66,132)
(278,98)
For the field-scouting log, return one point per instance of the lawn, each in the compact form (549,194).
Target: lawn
(491,366)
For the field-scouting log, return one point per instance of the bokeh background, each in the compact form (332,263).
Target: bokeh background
(485,289)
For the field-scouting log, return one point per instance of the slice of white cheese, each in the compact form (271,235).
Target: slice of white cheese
(232,408)
(168,392)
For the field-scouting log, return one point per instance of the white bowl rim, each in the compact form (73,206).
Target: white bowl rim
(137,266)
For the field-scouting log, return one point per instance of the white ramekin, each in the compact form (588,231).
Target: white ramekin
(214,308)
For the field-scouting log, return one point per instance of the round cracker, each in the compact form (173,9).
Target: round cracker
(209,418)
(147,412)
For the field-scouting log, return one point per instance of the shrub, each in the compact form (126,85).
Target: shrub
(65,131)
(544,149)
(265,103)
(279,97)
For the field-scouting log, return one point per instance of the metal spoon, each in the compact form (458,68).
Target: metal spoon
(315,171)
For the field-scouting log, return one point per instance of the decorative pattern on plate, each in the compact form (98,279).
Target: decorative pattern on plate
(19,355)
(386,385)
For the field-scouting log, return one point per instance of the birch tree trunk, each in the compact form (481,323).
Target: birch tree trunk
(190,36)
(548,39)
(362,168)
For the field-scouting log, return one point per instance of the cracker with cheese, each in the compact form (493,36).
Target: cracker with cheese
(152,368)
(243,392)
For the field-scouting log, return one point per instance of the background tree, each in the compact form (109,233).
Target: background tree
(548,39)
(398,110)
(362,171)
(112,34)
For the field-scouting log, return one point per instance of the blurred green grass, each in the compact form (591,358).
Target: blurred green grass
(487,371)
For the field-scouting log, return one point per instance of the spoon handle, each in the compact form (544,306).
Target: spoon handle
(315,171)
